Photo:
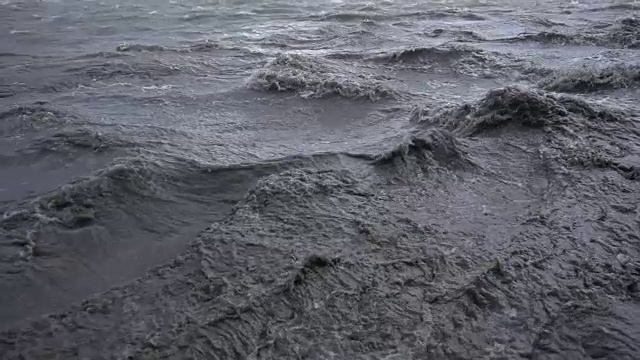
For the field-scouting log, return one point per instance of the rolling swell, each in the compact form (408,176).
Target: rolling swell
(316,78)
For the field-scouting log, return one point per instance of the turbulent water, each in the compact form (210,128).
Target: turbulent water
(319,179)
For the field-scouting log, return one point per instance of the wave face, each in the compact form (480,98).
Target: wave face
(319,179)
(22,120)
(316,78)
(593,79)
(459,59)
(625,32)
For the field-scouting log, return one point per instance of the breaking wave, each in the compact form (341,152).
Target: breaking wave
(421,153)
(589,79)
(316,78)
(512,105)
(581,133)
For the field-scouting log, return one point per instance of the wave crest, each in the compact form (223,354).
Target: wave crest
(578,133)
(140,48)
(441,146)
(316,78)
(499,107)
(464,60)
(589,79)
(26,118)
(626,33)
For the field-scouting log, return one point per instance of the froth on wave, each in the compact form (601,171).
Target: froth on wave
(580,133)
(288,252)
(460,59)
(421,153)
(515,106)
(588,79)
(313,77)
(23,119)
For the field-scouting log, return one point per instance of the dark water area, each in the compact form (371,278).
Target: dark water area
(319,179)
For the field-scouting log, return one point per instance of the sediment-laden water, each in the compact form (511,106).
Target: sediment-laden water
(319,179)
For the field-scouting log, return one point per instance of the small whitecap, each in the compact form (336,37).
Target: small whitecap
(156,87)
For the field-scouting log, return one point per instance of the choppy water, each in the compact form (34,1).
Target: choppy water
(320,179)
